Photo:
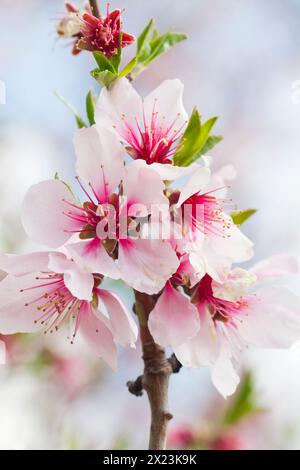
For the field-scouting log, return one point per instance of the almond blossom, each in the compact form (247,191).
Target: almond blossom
(103,34)
(211,239)
(150,128)
(91,33)
(232,316)
(113,193)
(45,289)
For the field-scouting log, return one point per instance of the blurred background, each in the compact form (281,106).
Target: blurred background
(242,63)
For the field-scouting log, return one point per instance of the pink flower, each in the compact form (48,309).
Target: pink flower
(231,317)
(150,128)
(45,289)
(103,34)
(113,193)
(211,239)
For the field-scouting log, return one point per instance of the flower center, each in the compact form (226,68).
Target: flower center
(220,310)
(155,141)
(204,212)
(56,303)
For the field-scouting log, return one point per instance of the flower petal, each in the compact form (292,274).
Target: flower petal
(79,283)
(223,374)
(236,285)
(43,213)
(195,184)
(146,265)
(235,246)
(99,159)
(272,319)
(203,349)
(169,172)
(119,102)
(98,336)
(167,101)
(92,257)
(18,265)
(220,179)
(142,185)
(174,319)
(275,267)
(122,324)
(18,311)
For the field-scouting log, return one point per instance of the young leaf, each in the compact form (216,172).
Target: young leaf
(103,62)
(104,78)
(79,121)
(210,144)
(161,44)
(143,46)
(239,217)
(129,67)
(90,107)
(193,140)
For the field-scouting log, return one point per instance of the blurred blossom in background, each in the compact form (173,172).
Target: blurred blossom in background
(242,63)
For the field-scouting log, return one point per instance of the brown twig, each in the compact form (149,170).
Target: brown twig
(136,387)
(155,379)
(95,8)
(175,364)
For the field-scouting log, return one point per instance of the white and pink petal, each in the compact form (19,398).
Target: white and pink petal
(99,160)
(18,265)
(92,257)
(93,327)
(146,265)
(122,325)
(43,213)
(174,319)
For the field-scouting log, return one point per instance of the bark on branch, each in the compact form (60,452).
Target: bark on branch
(155,379)
(95,8)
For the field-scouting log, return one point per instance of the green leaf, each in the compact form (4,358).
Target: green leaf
(143,42)
(103,62)
(90,107)
(79,121)
(161,44)
(244,403)
(129,67)
(194,139)
(239,217)
(210,144)
(104,78)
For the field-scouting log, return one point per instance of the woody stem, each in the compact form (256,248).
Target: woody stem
(155,380)
(95,8)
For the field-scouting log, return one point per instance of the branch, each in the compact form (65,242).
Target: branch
(175,364)
(155,379)
(95,8)
(136,387)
